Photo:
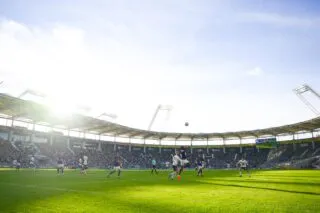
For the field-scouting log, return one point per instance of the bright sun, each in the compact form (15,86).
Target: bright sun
(61,108)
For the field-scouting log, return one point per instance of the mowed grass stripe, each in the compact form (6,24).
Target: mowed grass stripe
(41,187)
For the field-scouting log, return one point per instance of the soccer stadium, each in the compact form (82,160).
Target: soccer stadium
(280,162)
(159,106)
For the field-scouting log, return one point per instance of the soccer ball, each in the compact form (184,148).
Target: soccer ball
(186,123)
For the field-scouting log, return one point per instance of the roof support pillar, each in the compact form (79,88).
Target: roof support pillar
(68,143)
(240,144)
(294,147)
(99,146)
(255,143)
(129,144)
(114,143)
(144,145)
(99,143)
(51,139)
(224,145)
(12,121)
(313,143)
(68,140)
(10,135)
(207,145)
(32,132)
(293,142)
(293,137)
(31,137)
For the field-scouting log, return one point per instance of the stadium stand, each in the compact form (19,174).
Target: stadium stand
(137,157)
(18,142)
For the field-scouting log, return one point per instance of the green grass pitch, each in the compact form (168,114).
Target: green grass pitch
(138,191)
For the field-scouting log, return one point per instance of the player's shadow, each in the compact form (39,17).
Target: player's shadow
(271,182)
(258,187)
(287,176)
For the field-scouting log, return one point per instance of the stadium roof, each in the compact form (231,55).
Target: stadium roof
(29,111)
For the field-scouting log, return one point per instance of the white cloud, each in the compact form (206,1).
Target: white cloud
(278,20)
(257,71)
(104,73)
(114,74)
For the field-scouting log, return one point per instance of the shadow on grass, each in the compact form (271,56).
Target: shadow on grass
(288,176)
(24,189)
(81,186)
(257,187)
(270,182)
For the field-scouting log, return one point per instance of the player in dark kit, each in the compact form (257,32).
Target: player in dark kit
(200,166)
(16,164)
(116,166)
(184,162)
(60,166)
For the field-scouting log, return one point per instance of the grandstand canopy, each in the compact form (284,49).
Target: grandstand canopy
(29,111)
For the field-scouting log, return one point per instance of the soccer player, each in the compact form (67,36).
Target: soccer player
(33,163)
(200,166)
(196,165)
(85,164)
(175,162)
(183,161)
(80,165)
(167,164)
(17,165)
(74,165)
(60,166)
(116,166)
(244,165)
(154,166)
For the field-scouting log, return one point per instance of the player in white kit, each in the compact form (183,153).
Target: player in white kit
(167,164)
(175,162)
(243,165)
(85,164)
(33,163)
(80,165)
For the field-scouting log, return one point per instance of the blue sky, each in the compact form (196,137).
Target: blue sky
(223,65)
